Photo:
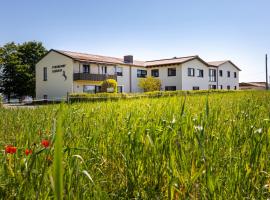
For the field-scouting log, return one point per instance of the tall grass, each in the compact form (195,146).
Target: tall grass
(193,147)
(58,148)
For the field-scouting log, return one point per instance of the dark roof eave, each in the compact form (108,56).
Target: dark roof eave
(107,63)
(92,61)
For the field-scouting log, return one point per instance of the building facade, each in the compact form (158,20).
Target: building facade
(61,72)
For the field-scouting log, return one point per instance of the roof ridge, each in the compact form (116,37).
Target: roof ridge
(63,51)
(221,61)
(172,58)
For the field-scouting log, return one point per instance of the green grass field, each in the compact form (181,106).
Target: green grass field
(198,147)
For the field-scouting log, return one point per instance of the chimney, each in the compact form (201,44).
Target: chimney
(128,59)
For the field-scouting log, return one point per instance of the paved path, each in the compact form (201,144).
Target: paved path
(18,105)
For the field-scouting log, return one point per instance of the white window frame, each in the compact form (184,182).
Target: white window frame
(122,86)
(119,71)
(191,72)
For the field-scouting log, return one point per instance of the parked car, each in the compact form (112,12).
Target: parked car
(27,99)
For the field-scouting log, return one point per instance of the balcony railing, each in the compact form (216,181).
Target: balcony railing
(92,77)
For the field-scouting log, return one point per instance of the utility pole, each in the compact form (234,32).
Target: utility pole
(266,84)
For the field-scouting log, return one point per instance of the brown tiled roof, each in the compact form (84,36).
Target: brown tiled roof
(174,60)
(84,57)
(218,63)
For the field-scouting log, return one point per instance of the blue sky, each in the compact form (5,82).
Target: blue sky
(149,29)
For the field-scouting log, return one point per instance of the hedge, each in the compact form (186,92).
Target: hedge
(85,97)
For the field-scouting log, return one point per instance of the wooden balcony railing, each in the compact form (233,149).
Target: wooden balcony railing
(92,77)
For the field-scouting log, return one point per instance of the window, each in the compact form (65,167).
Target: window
(45,96)
(235,88)
(220,73)
(104,69)
(45,75)
(170,88)
(212,75)
(98,88)
(235,75)
(89,88)
(86,69)
(119,71)
(155,72)
(228,87)
(120,89)
(200,72)
(171,71)
(191,72)
(212,87)
(228,74)
(221,87)
(141,73)
(196,88)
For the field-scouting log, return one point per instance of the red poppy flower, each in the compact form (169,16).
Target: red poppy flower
(45,143)
(28,151)
(10,149)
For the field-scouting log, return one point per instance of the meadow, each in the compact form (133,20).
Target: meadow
(214,146)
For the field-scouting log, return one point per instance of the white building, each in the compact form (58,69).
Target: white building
(228,74)
(62,72)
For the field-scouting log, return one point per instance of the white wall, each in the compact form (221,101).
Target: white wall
(135,80)
(168,80)
(125,79)
(188,82)
(224,80)
(56,86)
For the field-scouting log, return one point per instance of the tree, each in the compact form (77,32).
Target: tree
(8,61)
(150,84)
(109,85)
(17,62)
(29,54)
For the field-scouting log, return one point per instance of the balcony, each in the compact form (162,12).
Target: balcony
(92,77)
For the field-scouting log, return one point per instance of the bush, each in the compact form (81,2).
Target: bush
(85,97)
(150,84)
(109,84)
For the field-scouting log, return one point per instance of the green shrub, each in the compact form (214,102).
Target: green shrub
(109,84)
(150,84)
(84,97)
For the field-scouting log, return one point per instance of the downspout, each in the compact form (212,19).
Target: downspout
(115,72)
(72,86)
(217,77)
